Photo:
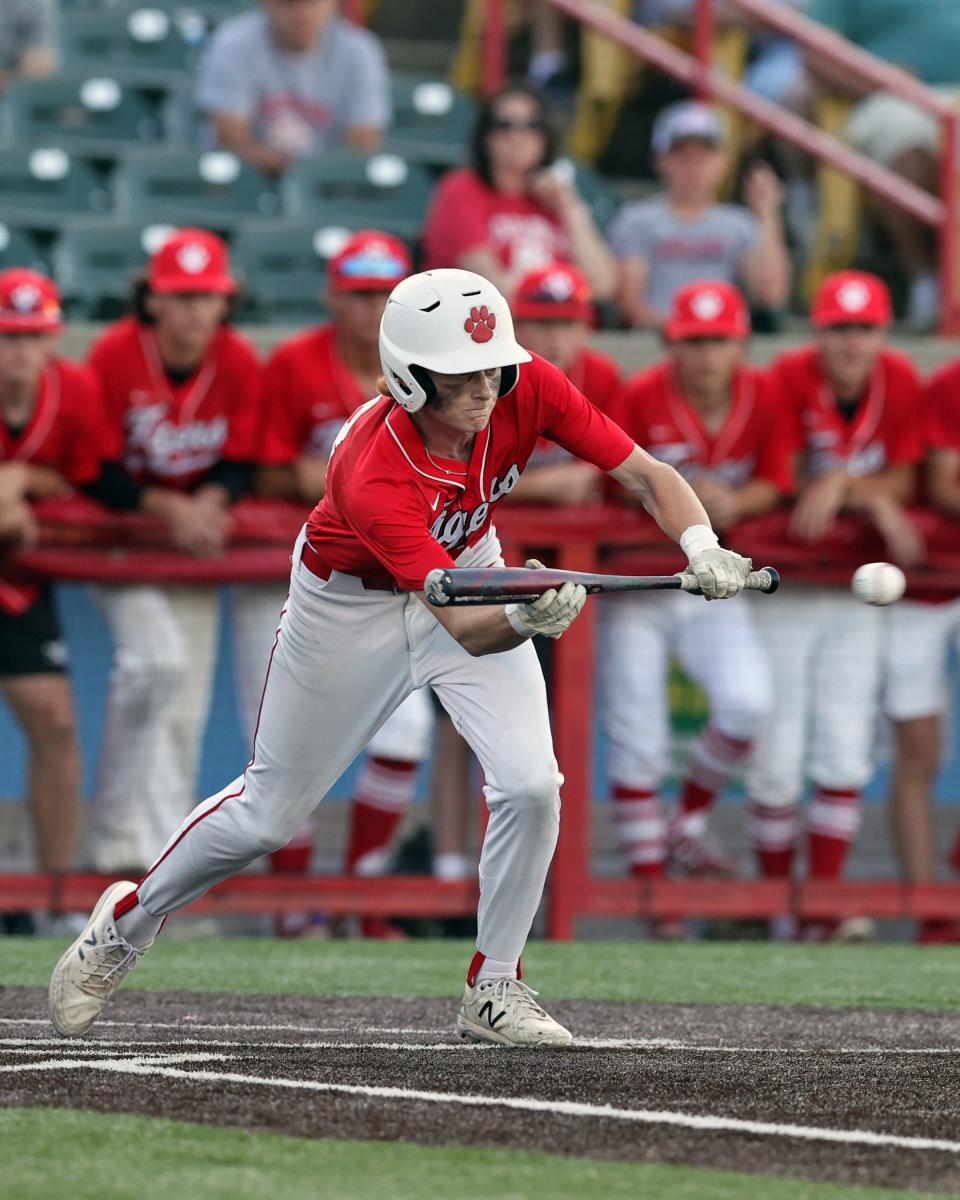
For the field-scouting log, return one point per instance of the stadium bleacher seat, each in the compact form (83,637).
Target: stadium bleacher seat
(283,269)
(190,187)
(432,122)
(94,260)
(42,188)
(94,115)
(382,191)
(19,249)
(136,41)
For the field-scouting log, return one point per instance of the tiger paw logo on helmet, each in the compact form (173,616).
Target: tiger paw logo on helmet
(481,323)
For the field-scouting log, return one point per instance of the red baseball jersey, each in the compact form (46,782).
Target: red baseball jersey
(170,433)
(941,408)
(393,511)
(308,393)
(63,433)
(885,430)
(598,377)
(753,443)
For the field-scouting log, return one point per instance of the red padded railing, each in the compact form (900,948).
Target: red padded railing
(80,542)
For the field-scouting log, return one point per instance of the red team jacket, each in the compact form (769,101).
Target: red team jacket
(63,433)
(171,434)
(308,393)
(392,514)
(886,428)
(754,442)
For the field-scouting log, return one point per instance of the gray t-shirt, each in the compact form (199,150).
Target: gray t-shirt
(25,25)
(680,252)
(298,104)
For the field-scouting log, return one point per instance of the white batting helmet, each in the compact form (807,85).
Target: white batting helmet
(450,321)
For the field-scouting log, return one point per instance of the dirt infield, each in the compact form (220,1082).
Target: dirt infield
(853,1096)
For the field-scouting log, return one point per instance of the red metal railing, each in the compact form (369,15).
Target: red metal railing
(698,73)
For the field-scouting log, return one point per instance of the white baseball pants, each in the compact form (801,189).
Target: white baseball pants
(344,659)
(165,644)
(917,642)
(824,651)
(717,647)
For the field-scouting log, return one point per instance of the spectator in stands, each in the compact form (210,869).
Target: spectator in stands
(684,234)
(28,39)
(922,36)
(312,383)
(514,208)
(49,444)
(720,423)
(292,80)
(182,398)
(919,634)
(856,408)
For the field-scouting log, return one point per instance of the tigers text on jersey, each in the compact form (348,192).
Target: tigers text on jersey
(886,427)
(393,511)
(168,433)
(308,393)
(753,443)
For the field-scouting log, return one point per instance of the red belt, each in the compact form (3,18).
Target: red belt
(311,560)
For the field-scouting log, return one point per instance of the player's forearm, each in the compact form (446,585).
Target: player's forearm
(755,498)
(663,492)
(896,483)
(479,631)
(276,483)
(589,251)
(945,497)
(42,483)
(768,267)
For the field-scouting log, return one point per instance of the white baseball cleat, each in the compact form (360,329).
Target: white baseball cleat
(504,1011)
(89,972)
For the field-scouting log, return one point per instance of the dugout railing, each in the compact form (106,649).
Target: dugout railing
(80,543)
(698,72)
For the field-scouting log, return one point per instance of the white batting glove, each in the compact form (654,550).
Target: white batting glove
(719,573)
(552,614)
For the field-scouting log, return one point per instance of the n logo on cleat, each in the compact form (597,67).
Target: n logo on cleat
(487,1011)
(90,941)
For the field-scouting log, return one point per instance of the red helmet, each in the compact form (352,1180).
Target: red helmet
(708,308)
(29,302)
(191,260)
(851,298)
(554,293)
(369,262)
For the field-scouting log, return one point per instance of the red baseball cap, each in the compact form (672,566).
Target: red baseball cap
(851,298)
(191,260)
(370,261)
(29,302)
(708,308)
(554,293)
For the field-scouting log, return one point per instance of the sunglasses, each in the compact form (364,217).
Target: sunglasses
(505,124)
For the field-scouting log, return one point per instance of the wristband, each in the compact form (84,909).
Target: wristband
(517,623)
(696,539)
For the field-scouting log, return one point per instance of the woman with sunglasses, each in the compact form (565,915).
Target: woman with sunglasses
(514,209)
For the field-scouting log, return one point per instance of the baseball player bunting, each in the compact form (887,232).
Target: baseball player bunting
(465,408)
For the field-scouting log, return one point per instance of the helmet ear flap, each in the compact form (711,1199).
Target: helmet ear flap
(509,378)
(425,379)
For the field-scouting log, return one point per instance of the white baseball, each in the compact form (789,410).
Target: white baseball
(878,583)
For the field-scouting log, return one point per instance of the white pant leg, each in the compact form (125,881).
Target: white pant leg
(718,647)
(406,733)
(340,666)
(916,645)
(499,704)
(255,611)
(634,641)
(845,699)
(788,628)
(149,661)
(196,611)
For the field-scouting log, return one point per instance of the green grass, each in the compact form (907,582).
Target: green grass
(714,972)
(49,1154)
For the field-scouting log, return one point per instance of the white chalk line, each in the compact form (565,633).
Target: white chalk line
(186,1024)
(712,1124)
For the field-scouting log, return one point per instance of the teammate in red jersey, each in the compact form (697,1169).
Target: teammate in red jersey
(312,383)
(919,633)
(182,394)
(856,407)
(49,443)
(720,423)
(413,483)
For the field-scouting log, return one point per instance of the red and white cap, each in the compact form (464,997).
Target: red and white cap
(851,298)
(708,308)
(370,261)
(554,293)
(29,302)
(191,260)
